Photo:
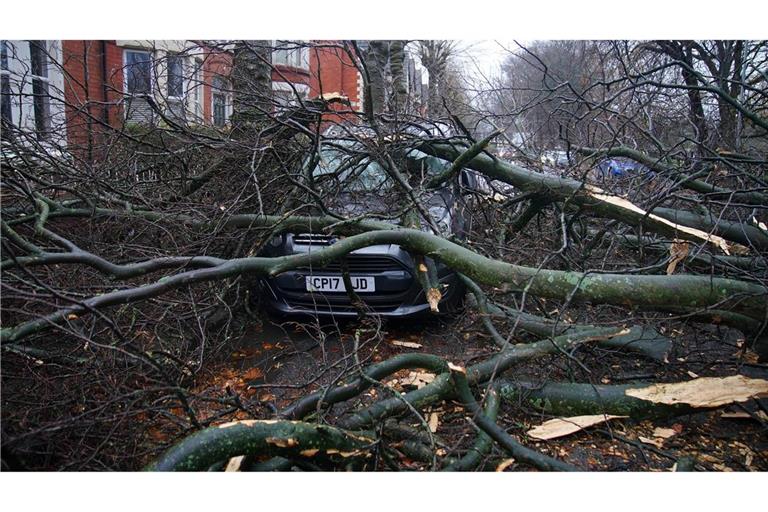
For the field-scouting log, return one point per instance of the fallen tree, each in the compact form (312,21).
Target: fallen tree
(125,285)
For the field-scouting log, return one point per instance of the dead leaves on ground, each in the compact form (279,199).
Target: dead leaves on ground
(660,434)
(412,380)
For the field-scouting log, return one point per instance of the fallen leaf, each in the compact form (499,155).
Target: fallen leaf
(657,442)
(252,374)
(406,344)
(434,422)
(504,465)
(703,392)
(664,433)
(560,427)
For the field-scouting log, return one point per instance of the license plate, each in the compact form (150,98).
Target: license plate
(336,284)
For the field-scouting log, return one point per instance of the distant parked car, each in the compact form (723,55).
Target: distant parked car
(555,158)
(620,166)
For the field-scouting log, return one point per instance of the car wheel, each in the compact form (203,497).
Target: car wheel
(455,304)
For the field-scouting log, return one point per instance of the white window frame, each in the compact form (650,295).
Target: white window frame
(296,55)
(281,88)
(151,70)
(197,96)
(6,73)
(46,80)
(182,61)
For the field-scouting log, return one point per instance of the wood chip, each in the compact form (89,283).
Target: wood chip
(282,442)
(234,463)
(560,427)
(433,298)
(736,415)
(704,391)
(406,344)
(504,465)
(664,433)
(741,415)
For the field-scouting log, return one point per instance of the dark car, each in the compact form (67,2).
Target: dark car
(382,276)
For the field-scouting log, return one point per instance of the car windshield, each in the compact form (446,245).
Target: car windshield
(366,175)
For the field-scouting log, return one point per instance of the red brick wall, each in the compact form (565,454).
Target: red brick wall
(282,73)
(93,106)
(215,63)
(333,71)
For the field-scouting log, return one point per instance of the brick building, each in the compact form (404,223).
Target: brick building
(78,90)
(111,83)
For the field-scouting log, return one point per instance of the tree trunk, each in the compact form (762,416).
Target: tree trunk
(252,84)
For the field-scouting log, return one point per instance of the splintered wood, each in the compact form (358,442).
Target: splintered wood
(560,427)
(703,392)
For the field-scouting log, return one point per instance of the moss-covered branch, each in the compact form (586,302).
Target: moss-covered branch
(267,437)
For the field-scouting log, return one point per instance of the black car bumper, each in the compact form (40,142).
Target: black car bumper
(397,292)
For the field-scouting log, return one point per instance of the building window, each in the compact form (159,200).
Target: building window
(197,88)
(138,72)
(175,75)
(220,99)
(5,88)
(286,96)
(290,53)
(38,53)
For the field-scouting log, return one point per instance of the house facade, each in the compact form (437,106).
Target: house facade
(123,82)
(79,90)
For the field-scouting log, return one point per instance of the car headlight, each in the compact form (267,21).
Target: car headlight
(441,216)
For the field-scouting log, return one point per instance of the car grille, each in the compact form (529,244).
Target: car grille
(363,264)
(314,239)
(321,305)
